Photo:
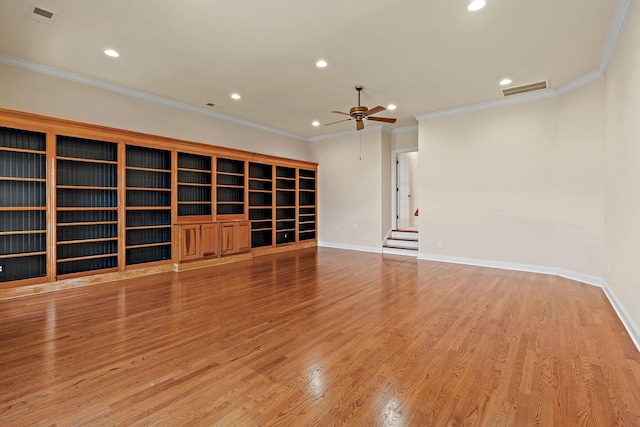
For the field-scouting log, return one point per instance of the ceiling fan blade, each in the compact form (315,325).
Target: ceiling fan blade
(345,120)
(375,110)
(340,112)
(359,124)
(382,119)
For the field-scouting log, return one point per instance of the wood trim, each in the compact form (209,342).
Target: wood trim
(51,217)
(38,286)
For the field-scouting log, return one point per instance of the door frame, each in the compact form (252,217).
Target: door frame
(394,184)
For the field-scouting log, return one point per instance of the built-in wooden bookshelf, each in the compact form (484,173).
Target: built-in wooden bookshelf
(23,173)
(285,205)
(79,199)
(86,206)
(306,204)
(230,188)
(261,204)
(194,185)
(148,205)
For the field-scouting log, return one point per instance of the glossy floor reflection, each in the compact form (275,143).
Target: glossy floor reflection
(320,337)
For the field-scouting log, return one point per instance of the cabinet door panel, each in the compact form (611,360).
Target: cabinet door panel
(190,247)
(227,243)
(243,237)
(209,239)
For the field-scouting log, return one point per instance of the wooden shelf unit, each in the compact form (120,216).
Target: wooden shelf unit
(261,204)
(78,199)
(23,224)
(148,205)
(230,184)
(307,204)
(86,206)
(195,186)
(285,205)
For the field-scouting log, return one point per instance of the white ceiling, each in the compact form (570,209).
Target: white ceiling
(422,55)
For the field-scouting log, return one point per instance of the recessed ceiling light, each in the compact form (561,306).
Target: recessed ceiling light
(391,107)
(321,63)
(505,82)
(476,5)
(235,96)
(315,123)
(112,53)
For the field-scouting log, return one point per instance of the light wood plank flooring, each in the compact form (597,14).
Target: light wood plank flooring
(320,337)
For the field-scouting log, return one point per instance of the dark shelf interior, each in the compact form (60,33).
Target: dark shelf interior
(194,161)
(22,185)
(194,188)
(150,189)
(261,238)
(260,171)
(230,166)
(89,166)
(283,237)
(285,172)
(148,158)
(148,254)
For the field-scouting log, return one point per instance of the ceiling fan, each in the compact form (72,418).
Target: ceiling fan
(361,113)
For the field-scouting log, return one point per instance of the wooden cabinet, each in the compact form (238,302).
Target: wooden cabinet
(235,237)
(213,239)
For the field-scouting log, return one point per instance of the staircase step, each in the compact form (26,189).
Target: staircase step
(400,247)
(400,251)
(402,243)
(400,234)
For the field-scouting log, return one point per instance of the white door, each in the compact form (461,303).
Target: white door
(404,184)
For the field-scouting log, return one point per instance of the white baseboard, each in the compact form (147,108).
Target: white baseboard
(579,277)
(627,321)
(372,249)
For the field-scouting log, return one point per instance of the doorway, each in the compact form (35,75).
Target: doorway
(405,201)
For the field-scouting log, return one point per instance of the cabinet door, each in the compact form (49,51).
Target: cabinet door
(243,237)
(227,239)
(190,246)
(210,239)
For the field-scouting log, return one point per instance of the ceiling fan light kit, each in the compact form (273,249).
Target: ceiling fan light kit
(361,113)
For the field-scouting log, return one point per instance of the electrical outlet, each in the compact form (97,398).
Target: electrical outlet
(440,245)
(355,226)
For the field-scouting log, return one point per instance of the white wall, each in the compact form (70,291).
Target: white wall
(41,94)
(580,134)
(520,184)
(350,189)
(622,185)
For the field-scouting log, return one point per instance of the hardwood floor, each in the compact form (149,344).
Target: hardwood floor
(320,337)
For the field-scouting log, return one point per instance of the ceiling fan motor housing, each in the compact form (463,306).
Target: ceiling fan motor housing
(358,112)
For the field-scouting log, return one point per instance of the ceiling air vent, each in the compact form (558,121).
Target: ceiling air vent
(43,13)
(531,87)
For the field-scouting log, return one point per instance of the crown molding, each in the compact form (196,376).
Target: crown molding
(621,14)
(110,87)
(517,99)
(587,78)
